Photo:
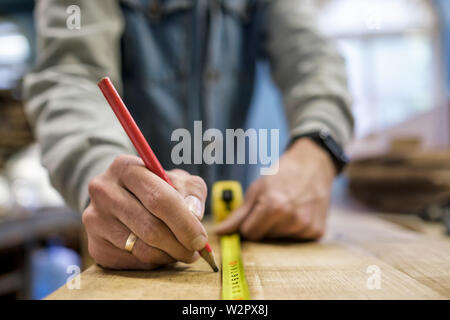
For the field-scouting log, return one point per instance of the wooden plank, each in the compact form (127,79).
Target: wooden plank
(413,222)
(325,271)
(423,258)
(177,282)
(334,268)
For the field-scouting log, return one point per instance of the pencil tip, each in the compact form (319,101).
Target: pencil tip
(209,257)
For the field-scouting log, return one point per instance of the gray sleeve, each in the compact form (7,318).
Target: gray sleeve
(308,70)
(78,134)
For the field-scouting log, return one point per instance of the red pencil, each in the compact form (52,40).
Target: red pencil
(142,147)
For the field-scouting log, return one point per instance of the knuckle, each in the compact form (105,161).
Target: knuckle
(121,160)
(121,163)
(278,207)
(96,187)
(151,232)
(88,217)
(154,199)
(102,193)
(196,183)
(118,163)
(178,173)
(278,203)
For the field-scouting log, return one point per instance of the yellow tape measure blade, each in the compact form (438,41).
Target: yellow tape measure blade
(233,276)
(227,196)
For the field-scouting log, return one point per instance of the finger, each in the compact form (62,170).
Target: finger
(259,221)
(192,188)
(148,254)
(107,255)
(316,228)
(163,201)
(118,202)
(233,223)
(175,175)
(195,206)
(195,192)
(117,234)
(295,226)
(123,161)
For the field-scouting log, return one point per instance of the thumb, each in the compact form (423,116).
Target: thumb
(234,221)
(195,206)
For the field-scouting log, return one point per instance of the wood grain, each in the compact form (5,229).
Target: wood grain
(412,265)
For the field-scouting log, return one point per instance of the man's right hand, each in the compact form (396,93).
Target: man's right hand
(130,198)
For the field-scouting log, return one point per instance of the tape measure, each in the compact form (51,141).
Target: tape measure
(227,196)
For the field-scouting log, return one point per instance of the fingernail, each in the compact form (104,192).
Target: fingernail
(198,243)
(194,205)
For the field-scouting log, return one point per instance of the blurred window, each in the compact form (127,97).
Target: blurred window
(393,57)
(14,53)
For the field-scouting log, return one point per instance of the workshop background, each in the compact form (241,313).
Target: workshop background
(397,55)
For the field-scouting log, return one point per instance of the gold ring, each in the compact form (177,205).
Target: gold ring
(130,242)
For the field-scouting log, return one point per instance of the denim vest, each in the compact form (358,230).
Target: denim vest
(187,60)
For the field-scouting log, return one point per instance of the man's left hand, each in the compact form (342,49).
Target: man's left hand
(293,203)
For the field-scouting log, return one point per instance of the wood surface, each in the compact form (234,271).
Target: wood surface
(412,265)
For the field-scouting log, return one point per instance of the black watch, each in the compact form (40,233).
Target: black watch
(326,141)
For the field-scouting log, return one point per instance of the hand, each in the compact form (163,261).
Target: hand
(290,204)
(130,198)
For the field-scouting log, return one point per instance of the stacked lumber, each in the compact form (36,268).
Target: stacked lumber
(15,132)
(410,182)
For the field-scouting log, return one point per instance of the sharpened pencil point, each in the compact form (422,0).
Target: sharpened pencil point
(208,255)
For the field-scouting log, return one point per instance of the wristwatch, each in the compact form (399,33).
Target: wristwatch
(324,139)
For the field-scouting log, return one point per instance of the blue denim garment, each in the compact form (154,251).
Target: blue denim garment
(176,62)
(186,60)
